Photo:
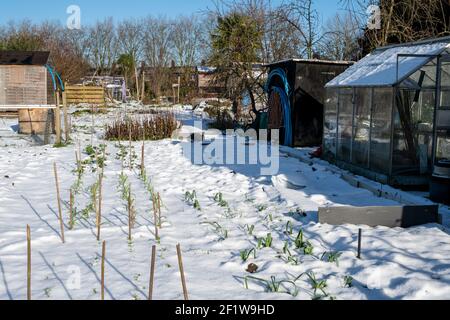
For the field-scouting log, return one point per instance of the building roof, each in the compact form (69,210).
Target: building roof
(390,65)
(31,58)
(311,61)
(206,69)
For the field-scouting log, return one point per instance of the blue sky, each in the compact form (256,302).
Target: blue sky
(93,10)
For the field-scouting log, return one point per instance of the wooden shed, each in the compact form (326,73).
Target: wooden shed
(296,90)
(26,82)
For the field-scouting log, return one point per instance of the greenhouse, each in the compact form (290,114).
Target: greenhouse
(388,116)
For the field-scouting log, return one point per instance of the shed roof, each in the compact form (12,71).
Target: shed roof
(310,61)
(32,58)
(380,67)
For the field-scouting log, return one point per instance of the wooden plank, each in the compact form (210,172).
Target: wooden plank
(83,94)
(392,217)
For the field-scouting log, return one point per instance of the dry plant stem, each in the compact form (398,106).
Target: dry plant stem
(28,263)
(66,118)
(103,270)
(159,210)
(183,278)
(58,118)
(152,273)
(79,154)
(61,224)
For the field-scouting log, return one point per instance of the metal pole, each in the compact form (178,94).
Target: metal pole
(359,243)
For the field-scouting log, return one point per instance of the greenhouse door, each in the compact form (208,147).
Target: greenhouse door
(442,137)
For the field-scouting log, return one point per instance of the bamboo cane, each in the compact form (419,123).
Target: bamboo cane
(28,263)
(61,223)
(103,270)
(152,273)
(143,160)
(71,210)
(129,216)
(99,214)
(183,278)
(58,119)
(155,217)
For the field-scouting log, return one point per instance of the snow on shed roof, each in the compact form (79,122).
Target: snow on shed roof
(205,69)
(380,67)
(30,58)
(311,61)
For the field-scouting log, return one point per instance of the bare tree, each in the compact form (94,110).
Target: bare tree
(340,41)
(103,45)
(157,51)
(186,40)
(302,16)
(401,20)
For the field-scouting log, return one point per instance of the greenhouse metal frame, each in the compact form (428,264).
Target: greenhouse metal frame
(388,116)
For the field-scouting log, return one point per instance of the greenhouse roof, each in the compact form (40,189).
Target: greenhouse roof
(380,67)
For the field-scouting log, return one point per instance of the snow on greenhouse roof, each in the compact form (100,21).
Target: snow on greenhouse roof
(380,67)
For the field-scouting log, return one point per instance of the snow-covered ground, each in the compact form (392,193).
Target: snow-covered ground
(396,263)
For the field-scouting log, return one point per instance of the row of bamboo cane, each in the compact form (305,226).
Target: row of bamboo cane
(157,217)
(102,277)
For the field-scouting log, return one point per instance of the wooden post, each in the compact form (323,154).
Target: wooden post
(152,273)
(143,160)
(99,213)
(61,223)
(173,90)
(28,263)
(92,125)
(137,83)
(71,222)
(103,270)
(179,85)
(66,117)
(58,118)
(183,279)
(143,86)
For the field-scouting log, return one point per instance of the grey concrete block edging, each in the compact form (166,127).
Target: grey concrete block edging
(391,217)
(378,189)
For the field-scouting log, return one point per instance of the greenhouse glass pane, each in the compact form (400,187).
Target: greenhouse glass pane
(413,135)
(345,121)
(361,130)
(330,125)
(380,145)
